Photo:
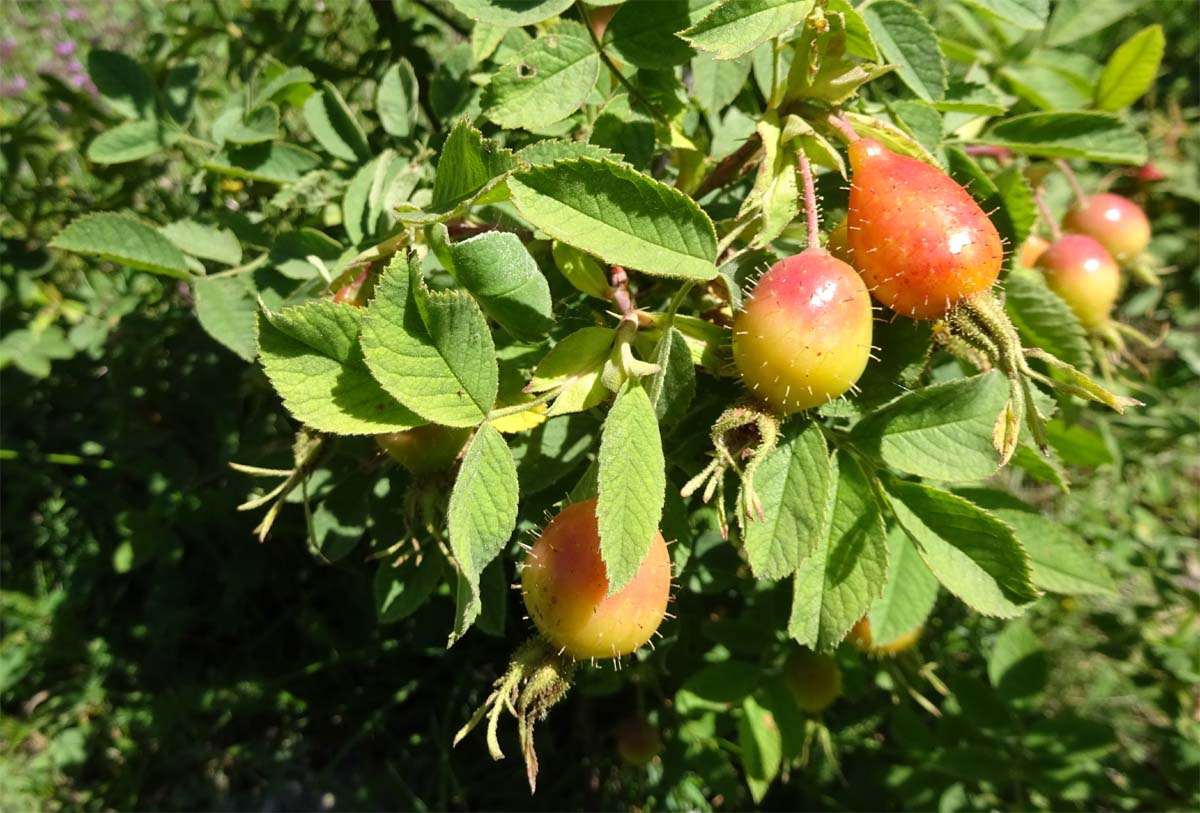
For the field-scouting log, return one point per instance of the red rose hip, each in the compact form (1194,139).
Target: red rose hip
(920,240)
(804,336)
(1114,222)
(1084,274)
(565,588)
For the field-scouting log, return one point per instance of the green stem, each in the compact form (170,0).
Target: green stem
(60,459)
(677,300)
(732,235)
(1072,180)
(1047,215)
(517,409)
(616,72)
(199,142)
(253,265)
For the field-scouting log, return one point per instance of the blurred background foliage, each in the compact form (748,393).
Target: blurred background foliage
(154,655)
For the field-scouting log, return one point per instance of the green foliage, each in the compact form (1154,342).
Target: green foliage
(975,556)
(481,516)
(907,40)
(631,484)
(836,583)
(1130,71)
(619,215)
(431,350)
(941,432)
(796,485)
(1075,134)
(312,356)
(909,595)
(274,230)
(548,80)
(736,27)
(125,240)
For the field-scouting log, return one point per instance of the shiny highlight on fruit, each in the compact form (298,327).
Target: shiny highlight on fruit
(1114,222)
(919,239)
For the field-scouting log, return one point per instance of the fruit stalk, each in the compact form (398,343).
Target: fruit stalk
(1072,180)
(843,127)
(999,153)
(1047,215)
(811,216)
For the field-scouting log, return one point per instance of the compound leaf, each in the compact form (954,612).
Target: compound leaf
(312,357)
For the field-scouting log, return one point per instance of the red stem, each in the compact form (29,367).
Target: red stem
(984,149)
(1076,189)
(811,215)
(1051,223)
(620,291)
(843,127)
(468,230)
(730,167)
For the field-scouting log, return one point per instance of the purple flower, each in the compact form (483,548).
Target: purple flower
(10,90)
(79,80)
(65,48)
(75,67)
(75,13)
(7,48)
